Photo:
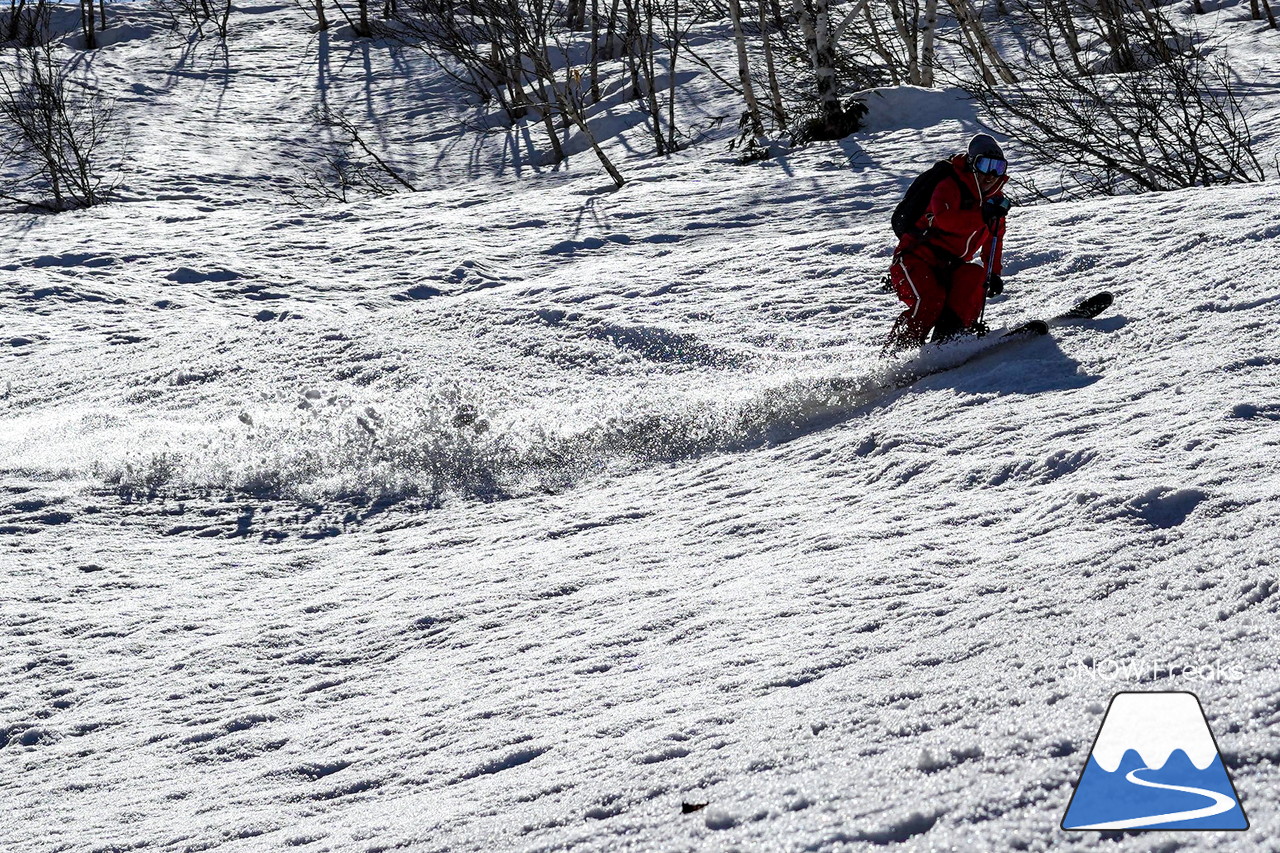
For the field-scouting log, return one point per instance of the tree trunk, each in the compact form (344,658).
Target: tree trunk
(618,180)
(629,47)
(838,33)
(548,121)
(676,37)
(824,68)
(517,98)
(980,42)
(648,64)
(16,8)
(927,39)
(744,70)
(1157,31)
(775,8)
(611,31)
(87,17)
(1062,12)
(224,15)
(1109,15)
(816,27)
(1271,18)
(877,44)
(553,136)
(908,36)
(570,110)
(595,51)
(775,92)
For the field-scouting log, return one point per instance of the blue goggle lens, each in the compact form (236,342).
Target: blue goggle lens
(990,166)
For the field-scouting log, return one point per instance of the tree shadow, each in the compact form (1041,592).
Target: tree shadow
(859,159)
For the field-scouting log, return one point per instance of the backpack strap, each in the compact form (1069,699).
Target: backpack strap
(945,170)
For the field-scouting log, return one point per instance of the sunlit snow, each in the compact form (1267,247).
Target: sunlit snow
(519,512)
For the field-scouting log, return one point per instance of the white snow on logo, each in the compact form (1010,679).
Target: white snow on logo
(1133,778)
(1154,724)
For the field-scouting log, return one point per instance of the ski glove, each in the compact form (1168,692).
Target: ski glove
(995,285)
(995,208)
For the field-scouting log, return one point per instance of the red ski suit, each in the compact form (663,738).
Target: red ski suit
(941,262)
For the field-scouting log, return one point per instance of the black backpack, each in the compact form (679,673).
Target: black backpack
(916,200)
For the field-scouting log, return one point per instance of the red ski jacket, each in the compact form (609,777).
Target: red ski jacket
(952,224)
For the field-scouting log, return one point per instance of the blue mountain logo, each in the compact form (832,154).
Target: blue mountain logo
(1154,765)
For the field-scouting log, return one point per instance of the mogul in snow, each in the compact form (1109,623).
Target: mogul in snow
(950,226)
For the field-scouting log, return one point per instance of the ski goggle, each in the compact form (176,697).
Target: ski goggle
(989,165)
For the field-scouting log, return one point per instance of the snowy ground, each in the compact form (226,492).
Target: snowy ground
(517,513)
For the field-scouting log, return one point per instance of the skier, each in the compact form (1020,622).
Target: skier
(948,257)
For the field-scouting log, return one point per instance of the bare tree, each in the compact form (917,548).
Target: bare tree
(1055,23)
(349,168)
(467,44)
(979,47)
(360,24)
(928,42)
(27,23)
(815,21)
(315,9)
(820,70)
(194,15)
(532,27)
(771,67)
(752,126)
(642,15)
(89,24)
(1177,122)
(908,30)
(1256,8)
(594,65)
(675,25)
(527,27)
(61,147)
(502,50)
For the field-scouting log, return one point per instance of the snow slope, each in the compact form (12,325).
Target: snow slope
(517,513)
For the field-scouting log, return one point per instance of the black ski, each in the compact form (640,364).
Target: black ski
(935,358)
(1086,309)
(844,393)
(1029,329)
(962,352)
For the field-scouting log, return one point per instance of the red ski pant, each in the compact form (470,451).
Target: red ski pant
(928,287)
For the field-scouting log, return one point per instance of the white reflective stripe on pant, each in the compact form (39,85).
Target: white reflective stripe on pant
(915,309)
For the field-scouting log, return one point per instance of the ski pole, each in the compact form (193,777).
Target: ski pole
(991,269)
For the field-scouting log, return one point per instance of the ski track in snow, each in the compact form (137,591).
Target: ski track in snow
(1221,804)
(515,513)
